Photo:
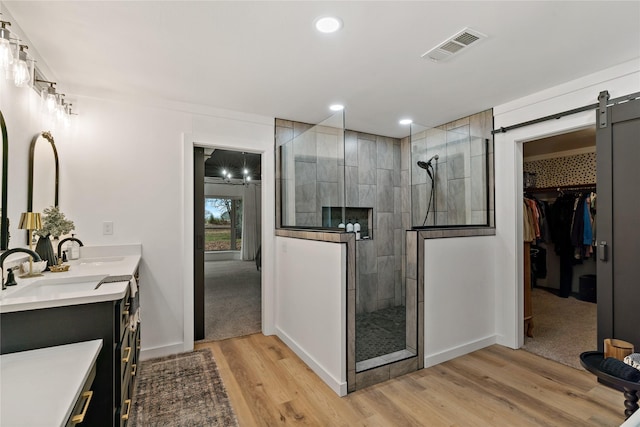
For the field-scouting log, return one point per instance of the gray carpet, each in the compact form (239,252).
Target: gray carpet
(562,328)
(232,295)
(181,390)
(380,332)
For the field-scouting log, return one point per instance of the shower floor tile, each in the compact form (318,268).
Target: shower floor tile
(380,333)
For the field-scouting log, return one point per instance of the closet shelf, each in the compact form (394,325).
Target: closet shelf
(559,188)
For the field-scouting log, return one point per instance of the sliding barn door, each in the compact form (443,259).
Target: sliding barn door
(618,218)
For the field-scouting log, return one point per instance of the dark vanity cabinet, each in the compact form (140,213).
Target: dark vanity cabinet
(116,365)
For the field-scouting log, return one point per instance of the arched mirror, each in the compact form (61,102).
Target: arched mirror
(43,173)
(4,223)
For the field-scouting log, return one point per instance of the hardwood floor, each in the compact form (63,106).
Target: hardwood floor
(269,385)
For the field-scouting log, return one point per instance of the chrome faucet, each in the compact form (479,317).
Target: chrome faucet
(6,253)
(74,239)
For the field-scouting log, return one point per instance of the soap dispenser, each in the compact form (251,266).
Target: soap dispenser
(356,229)
(75,249)
(349,227)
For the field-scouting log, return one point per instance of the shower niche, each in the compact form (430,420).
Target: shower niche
(333,216)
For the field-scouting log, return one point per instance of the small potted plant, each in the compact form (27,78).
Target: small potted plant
(54,224)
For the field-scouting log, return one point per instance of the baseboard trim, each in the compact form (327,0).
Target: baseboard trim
(339,387)
(452,353)
(165,350)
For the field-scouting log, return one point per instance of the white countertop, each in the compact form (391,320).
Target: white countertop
(40,387)
(94,262)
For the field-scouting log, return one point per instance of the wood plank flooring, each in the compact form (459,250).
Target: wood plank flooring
(269,385)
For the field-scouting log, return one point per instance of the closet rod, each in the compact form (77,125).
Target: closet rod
(605,93)
(560,188)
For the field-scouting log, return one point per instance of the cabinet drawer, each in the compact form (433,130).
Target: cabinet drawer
(126,355)
(82,404)
(123,313)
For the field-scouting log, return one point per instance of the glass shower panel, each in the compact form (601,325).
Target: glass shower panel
(312,175)
(449,177)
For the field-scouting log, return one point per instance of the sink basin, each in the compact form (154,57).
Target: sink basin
(100,261)
(58,287)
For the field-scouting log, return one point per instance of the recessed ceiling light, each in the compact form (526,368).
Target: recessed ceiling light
(328,24)
(406,121)
(336,107)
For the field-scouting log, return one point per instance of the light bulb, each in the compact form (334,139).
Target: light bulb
(6,56)
(245,171)
(21,76)
(248,178)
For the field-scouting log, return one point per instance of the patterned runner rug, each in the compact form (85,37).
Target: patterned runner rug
(181,390)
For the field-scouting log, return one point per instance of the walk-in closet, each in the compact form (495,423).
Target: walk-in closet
(559,210)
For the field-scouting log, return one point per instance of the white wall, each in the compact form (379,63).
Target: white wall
(459,299)
(311,300)
(124,161)
(620,80)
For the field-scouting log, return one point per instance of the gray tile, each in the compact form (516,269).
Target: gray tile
(366,196)
(384,147)
(351,148)
(384,234)
(411,298)
(283,135)
(442,190)
(300,128)
(367,257)
(351,185)
(456,166)
(403,367)
(411,255)
(386,278)
(397,169)
(304,147)
(479,217)
(366,161)
(371,377)
(306,198)
(384,191)
(398,294)
(327,195)
(385,303)
(398,245)
(307,219)
(405,153)
(367,292)
(328,169)
(478,183)
(456,208)
(305,173)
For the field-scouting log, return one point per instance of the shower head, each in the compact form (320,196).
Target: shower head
(425,165)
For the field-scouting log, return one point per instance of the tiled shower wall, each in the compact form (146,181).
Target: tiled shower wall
(461,190)
(374,179)
(376,171)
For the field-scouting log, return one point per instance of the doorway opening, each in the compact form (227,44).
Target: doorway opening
(559,208)
(229,223)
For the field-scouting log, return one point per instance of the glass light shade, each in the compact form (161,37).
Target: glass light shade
(6,56)
(49,99)
(21,75)
(30,221)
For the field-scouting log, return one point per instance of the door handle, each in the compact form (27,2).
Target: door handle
(603,251)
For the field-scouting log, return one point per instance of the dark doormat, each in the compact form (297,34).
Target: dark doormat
(181,390)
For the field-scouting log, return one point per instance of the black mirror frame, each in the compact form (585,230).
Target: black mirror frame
(4,227)
(46,135)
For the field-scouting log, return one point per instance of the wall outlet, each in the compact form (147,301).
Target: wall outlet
(107,227)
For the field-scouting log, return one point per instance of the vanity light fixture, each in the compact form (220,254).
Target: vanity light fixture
(405,121)
(30,221)
(48,95)
(6,56)
(21,74)
(336,107)
(328,24)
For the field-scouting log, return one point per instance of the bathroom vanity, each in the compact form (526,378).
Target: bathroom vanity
(49,386)
(74,306)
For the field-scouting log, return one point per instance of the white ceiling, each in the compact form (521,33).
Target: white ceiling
(266,57)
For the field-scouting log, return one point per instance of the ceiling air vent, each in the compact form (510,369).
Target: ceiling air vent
(454,44)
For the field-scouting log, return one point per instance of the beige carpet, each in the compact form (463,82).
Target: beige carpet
(232,298)
(181,390)
(562,328)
